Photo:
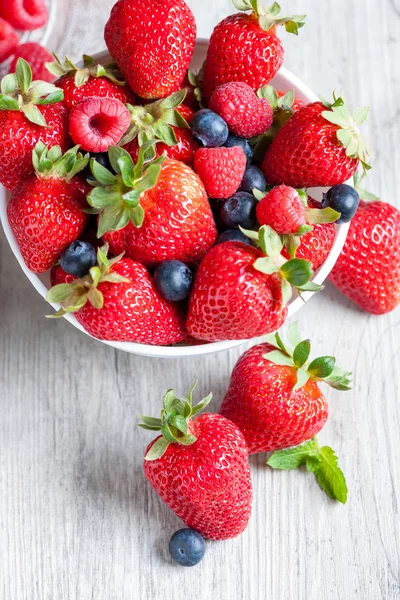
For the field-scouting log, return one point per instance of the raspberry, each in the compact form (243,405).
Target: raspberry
(37,56)
(8,40)
(282,209)
(220,169)
(97,123)
(24,14)
(245,113)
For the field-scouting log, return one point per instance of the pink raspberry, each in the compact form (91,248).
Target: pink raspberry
(8,40)
(24,14)
(282,209)
(220,169)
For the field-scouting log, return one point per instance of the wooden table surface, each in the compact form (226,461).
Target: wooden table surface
(78,521)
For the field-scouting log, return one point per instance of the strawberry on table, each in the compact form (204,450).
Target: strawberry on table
(46,211)
(152,42)
(24,15)
(246,48)
(37,56)
(8,40)
(220,169)
(93,79)
(29,112)
(199,467)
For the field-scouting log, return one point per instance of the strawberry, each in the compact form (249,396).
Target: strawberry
(118,301)
(368,268)
(79,83)
(319,146)
(246,48)
(24,15)
(274,396)
(46,211)
(29,112)
(37,56)
(153,211)
(220,169)
(8,40)
(245,114)
(152,42)
(199,467)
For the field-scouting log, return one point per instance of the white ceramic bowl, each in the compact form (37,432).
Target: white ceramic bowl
(284,81)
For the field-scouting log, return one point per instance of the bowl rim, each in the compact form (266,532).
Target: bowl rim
(305,94)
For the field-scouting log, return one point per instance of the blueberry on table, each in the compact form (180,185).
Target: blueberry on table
(239,209)
(173,279)
(253,179)
(244,144)
(209,129)
(233,235)
(344,199)
(78,258)
(187,547)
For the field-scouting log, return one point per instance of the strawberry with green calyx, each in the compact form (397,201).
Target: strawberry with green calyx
(274,395)
(320,461)
(90,80)
(46,212)
(30,111)
(117,301)
(199,467)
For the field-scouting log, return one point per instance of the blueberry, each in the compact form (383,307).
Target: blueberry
(233,235)
(78,258)
(240,209)
(344,199)
(173,279)
(209,129)
(187,547)
(253,178)
(242,143)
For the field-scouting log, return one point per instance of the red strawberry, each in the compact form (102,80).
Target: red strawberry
(8,40)
(98,123)
(118,301)
(245,47)
(161,211)
(199,467)
(274,396)
(24,14)
(37,56)
(368,268)
(152,42)
(45,211)
(319,146)
(245,113)
(28,114)
(79,83)
(221,170)
(184,150)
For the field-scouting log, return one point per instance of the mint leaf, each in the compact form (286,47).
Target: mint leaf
(292,458)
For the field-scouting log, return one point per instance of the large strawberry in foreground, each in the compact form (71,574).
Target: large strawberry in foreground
(152,42)
(246,48)
(117,301)
(199,467)
(30,112)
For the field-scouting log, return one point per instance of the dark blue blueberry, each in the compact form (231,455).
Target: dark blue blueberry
(240,209)
(253,178)
(209,129)
(344,199)
(78,258)
(242,143)
(102,159)
(187,547)
(173,279)
(233,235)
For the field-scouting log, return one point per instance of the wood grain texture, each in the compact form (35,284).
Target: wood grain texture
(77,519)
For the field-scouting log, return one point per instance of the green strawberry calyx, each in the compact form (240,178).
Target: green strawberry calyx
(73,296)
(295,272)
(270,17)
(56,165)
(322,462)
(313,216)
(173,422)
(19,92)
(82,74)
(348,133)
(197,83)
(116,196)
(155,121)
(296,353)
